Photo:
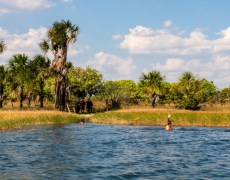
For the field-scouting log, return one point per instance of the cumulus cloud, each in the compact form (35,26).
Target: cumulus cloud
(117,36)
(27,43)
(143,40)
(23,43)
(7,6)
(168,24)
(76,49)
(178,52)
(217,69)
(124,67)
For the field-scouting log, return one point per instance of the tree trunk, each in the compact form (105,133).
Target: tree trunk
(1,95)
(57,94)
(61,94)
(21,96)
(107,105)
(61,84)
(115,104)
(42,84)
(154,99)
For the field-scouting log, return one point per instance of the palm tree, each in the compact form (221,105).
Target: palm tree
(189,87)
(40,68)
(186,81)
(18,68)
(2,47)
(60,36)
(152,83)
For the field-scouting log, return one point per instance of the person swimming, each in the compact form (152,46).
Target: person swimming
(168,126)
(82,122)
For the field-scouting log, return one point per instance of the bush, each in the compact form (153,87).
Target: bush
(191,104)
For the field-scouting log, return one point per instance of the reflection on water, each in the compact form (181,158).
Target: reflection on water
(93,151)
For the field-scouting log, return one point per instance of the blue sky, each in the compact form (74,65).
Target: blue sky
(124,38)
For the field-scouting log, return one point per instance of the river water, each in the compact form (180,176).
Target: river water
(93,151)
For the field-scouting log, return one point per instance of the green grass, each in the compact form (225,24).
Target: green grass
(18,119)
(159,118)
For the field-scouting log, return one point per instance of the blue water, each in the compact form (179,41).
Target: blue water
(94,151)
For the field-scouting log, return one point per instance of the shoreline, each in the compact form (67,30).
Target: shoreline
(180,118)
(18,119)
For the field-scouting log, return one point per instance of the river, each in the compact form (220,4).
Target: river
(93,151)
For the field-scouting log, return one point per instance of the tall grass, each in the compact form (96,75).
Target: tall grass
(159,117)
(18,119)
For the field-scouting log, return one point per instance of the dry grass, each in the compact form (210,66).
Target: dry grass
(14,119)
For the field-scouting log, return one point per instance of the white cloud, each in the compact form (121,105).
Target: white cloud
(168,24)
(75,50)
(143,40)
(170,65)
(27,43)
(22,43)
(124,67)
(67,1)
(7,6)
(216,70)
(4,11)
(117,36)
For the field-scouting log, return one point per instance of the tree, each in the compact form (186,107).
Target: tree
(2,83)
(40,68)
(152,84)
(2,47)
(84,82)
(18,69)
(193,91)
(60,36)
(118,91)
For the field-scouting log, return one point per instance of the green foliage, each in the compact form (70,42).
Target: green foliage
(39,70)
(119,91)
(59,38)
(224,95)
(190,91)
(84,82)
(165,95)
(18,69)
(152,82)
(152,85)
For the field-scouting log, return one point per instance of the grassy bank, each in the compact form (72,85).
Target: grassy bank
(158,117)
(15,119)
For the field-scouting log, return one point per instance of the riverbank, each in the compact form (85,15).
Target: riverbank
(158,117)
(17,119)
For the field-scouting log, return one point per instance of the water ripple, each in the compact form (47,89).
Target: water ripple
(114,152)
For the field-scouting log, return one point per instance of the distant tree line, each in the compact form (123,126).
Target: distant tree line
(58,81)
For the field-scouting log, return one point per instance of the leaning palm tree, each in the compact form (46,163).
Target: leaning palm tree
(2,47)
(60,36)
(18,68)
(152,83)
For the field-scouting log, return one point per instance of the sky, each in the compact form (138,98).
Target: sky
(124,38)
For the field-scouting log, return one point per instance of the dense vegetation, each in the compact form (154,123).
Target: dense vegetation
(26,79)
